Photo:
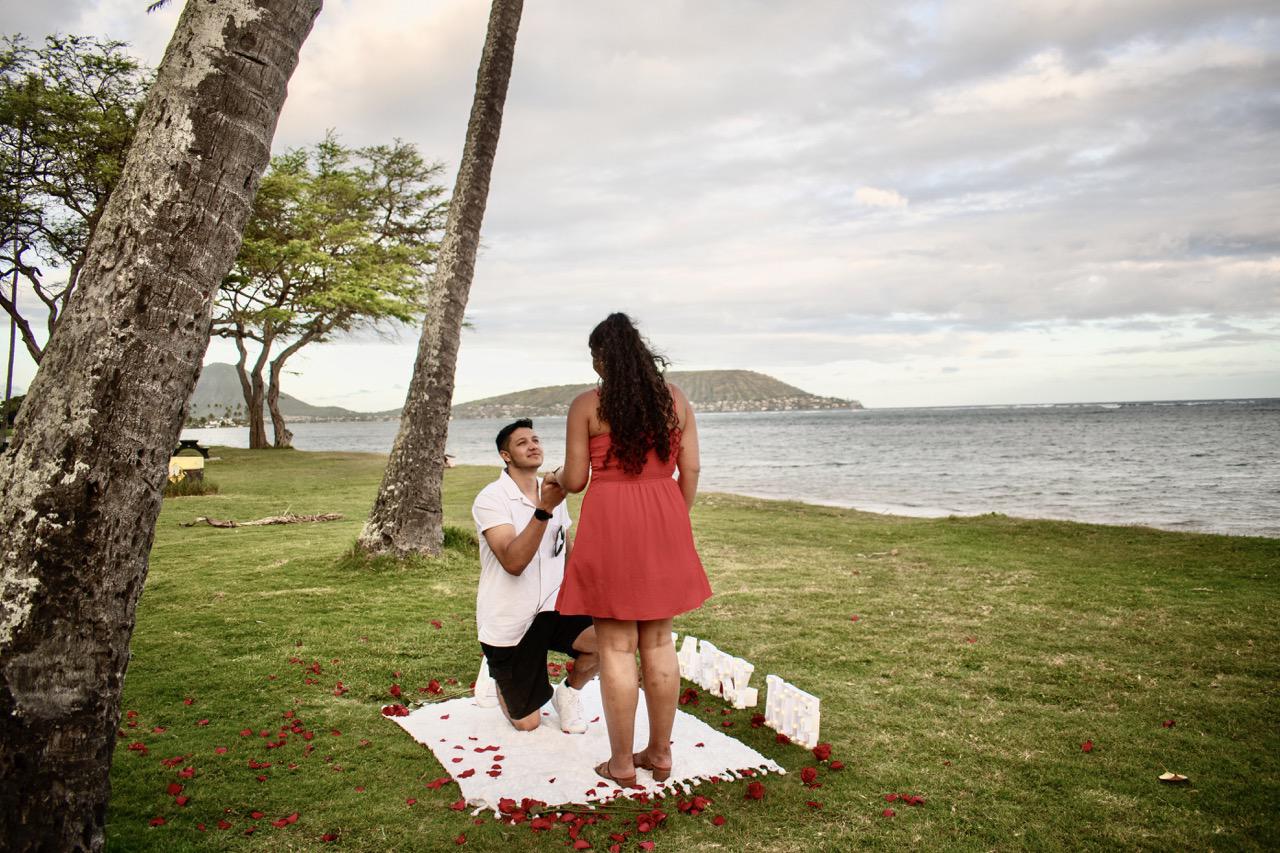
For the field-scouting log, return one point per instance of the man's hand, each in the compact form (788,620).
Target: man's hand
(552,494)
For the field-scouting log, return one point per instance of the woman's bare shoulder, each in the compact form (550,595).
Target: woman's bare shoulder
(588,399)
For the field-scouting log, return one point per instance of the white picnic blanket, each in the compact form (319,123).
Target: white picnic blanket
(490,760)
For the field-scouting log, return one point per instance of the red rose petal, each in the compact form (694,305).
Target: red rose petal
(888,813)
(1087,746)
(409,801)
(718,820)
(460,840)
(157,821)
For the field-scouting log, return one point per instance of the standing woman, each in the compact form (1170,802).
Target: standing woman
(633,565)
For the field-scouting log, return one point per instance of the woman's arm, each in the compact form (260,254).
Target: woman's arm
(576,470)
(688,462)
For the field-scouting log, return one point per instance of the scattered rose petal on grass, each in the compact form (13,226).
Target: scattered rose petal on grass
(410,801)
(971,639)
(839,765)
(202,722)
(854,618)
(329,836)
(157,821)
(395,691)
(359,789)
(757,720)
(1167,724)
(813,804)
(256,815)
(187,772)
(582,844)
(222,824)
(460,840)
(809,775)
(1087,746)
(781,738)
(182,800)
(158,730)
(646,845)
(434,688)
(890,798)
(188,701)
(437,624)
(200,826)
(888,813)
(822,751)
(718,820)
(755,791)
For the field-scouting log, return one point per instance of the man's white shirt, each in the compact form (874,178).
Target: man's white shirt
(507,603)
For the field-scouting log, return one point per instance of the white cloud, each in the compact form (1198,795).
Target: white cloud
(797,187)
(872,197)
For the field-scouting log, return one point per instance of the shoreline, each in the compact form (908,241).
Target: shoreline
(889,510)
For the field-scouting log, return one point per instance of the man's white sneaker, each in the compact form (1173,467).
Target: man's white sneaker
(568,708)
(486,691)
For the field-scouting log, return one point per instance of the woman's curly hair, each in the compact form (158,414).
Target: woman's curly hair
(634,398)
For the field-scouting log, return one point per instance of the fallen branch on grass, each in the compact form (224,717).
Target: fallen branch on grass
(287,518)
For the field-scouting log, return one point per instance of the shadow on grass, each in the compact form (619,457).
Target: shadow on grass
(188,487)
(458,542)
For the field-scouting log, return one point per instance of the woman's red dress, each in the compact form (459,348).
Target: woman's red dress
(633,556)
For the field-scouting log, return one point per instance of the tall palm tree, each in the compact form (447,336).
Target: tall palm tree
(81,487)
(407,514)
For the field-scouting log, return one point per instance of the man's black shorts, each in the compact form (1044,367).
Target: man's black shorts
(521,670)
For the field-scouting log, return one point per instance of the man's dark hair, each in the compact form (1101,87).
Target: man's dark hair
(504,434)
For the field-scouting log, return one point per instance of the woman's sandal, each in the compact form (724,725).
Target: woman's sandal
(603,771)
(660,774)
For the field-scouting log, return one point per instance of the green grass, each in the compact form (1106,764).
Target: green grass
(986,651)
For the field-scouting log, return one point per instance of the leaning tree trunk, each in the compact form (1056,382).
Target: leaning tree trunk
(81,488)
(407,514)
(252,388)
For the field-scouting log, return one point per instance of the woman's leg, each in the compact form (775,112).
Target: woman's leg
(661,686)
(616,648)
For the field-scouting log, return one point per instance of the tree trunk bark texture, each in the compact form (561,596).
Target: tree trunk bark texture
(407,514)
(81,488)
(281,435)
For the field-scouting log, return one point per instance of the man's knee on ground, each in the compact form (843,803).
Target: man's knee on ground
(527,724)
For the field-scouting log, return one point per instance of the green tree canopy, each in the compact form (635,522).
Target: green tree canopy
(340,238)
(68,110)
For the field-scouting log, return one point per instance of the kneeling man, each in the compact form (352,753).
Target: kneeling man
(522,526)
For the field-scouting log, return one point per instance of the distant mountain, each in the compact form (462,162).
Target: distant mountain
(218,397)
(708,390)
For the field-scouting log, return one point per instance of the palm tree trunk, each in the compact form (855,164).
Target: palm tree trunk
(81,488)
(407,514)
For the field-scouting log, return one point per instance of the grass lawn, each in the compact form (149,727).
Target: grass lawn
(985,653)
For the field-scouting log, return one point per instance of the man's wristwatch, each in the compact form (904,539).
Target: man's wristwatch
(541,514)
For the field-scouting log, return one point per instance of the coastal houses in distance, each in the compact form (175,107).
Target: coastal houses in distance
(218,401)
(708,390)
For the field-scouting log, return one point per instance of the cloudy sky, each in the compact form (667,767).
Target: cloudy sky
(918,203)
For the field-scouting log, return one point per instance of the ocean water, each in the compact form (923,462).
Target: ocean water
(1211,466)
